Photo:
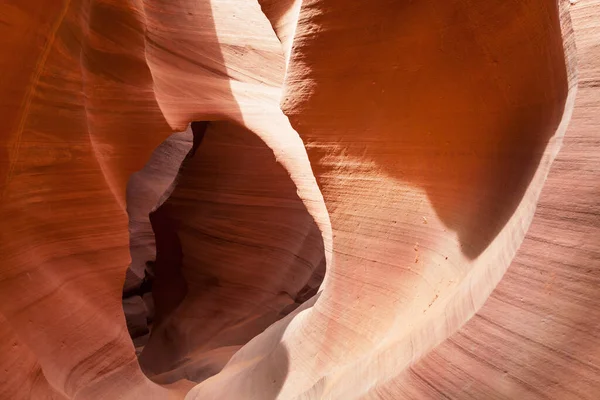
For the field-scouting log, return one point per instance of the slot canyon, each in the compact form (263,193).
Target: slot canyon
(300,199)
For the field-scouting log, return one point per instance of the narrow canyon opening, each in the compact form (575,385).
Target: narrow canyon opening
(222,247)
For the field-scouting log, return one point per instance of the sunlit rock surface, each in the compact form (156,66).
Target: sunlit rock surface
(299,199)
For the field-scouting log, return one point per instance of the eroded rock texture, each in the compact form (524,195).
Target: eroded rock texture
(270,199)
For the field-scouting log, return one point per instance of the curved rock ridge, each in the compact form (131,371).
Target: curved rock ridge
(299,199)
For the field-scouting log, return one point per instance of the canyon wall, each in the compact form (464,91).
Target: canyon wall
(359,178)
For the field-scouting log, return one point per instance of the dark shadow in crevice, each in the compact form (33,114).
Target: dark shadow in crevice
(236,251)
(170,288)
(140,304)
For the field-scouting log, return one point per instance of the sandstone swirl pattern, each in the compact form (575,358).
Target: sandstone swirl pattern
(394,150)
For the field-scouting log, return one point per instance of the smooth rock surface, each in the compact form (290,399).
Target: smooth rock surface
(397,151)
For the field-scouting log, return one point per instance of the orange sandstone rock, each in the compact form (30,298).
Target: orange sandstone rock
(366,175)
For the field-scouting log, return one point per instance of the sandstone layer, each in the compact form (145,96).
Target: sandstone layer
(299,199)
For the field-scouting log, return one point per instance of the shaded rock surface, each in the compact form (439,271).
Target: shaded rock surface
(398,151)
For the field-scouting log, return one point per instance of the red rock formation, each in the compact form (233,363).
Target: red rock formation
(420,136)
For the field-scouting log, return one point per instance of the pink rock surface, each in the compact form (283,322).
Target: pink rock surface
(391,155)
